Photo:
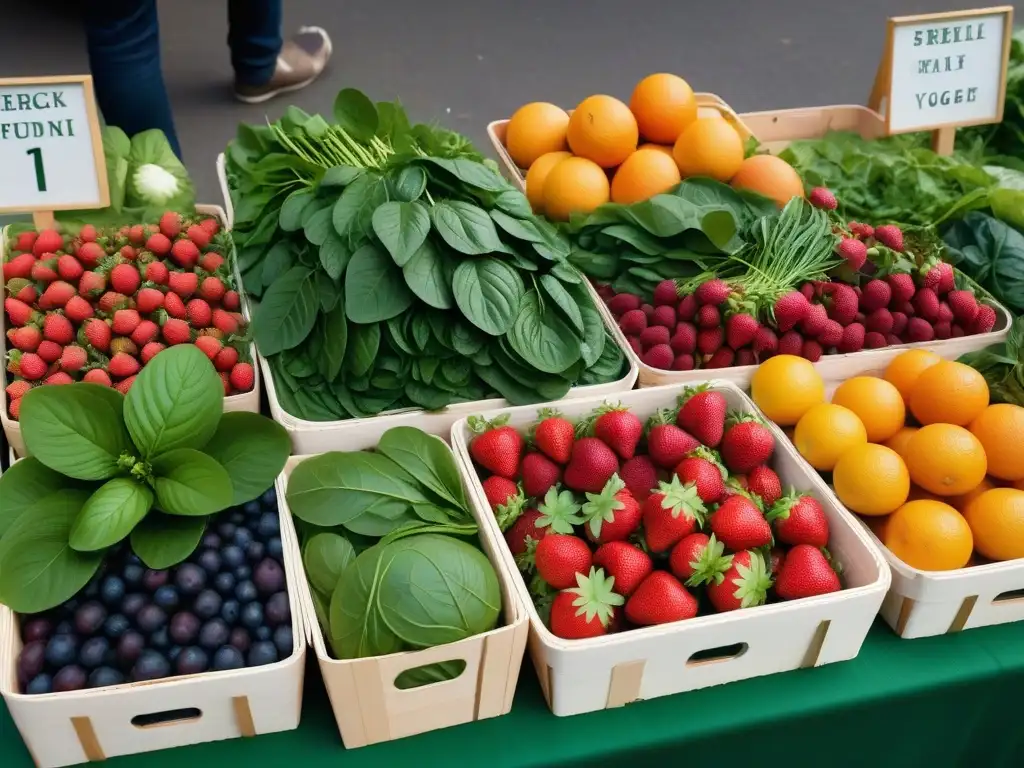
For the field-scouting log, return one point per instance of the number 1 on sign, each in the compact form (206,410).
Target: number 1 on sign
(37,155)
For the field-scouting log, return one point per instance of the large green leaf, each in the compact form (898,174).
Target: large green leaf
(465,227)
(361,351)
(287,312)
(374,287)
(325,557)
(357,629)
(488,292)
(335,330)
(428,459)
(401,228)
(78,430)
(334,255)
(253,450)
(470,172)
(175,402)
(427,276)
(190,483)
(542,339)
(355,114)
(110,514)
(24,485)
(165,540)
(38,568)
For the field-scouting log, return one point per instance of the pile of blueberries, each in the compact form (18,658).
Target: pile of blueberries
(226,607)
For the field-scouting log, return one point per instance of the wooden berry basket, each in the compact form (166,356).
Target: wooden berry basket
(132,718)
(368,708)
(248,401)
(599,673)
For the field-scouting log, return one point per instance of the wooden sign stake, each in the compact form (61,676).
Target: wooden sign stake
(43,220)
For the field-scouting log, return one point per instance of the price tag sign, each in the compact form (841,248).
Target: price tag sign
(51,147)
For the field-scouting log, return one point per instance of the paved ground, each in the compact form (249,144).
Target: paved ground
(466,63)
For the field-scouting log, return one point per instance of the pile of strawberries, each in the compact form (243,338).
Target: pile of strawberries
(878,297)
(617,524)
(98,306)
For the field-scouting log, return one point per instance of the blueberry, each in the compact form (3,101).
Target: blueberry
(275,549)
(151,666)
(89,618)
(269,525)
(246,592)
(230,611)
(213,634)
(256,551)
(129,648)
(115,625)
(93,652)
(232,556)
(103,676)
(237,517)
(262,633)
(283,641)
(132,604)
(133,575)
(207,604)
(240,639)
(167,597)
(184,627)
(252,615)
(61,650)
(174,653)
(226,530)
(252,508)
(269,498)
(209,561)
(192,661)
(31,660)
(112,589)
(210,541)
(243,538)
(278,611)
(133,559)
(224,583)
(36,629)
(70,678)
(227,657)
(39,684)
(242,573)
(161,639)
(190,579)
(261,653)
(150,619)
(64,627)
(268,577)
(153,580)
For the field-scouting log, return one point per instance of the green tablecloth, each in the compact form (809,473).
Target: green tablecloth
(945,701)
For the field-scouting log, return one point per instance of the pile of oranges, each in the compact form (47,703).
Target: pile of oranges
(935,469)
(610,151)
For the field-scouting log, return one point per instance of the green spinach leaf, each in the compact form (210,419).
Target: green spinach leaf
(374,288)
(253,449)
(357,629)
(110,514)
(402,228)
(488,292)
(466,228)
(428,459)
(287,313)
(190,483)
(165,540)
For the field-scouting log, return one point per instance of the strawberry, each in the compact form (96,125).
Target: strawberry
(668,444)
(149,300)
(740,330)
(49,351)
(640,476)
(633,322)
(902,287)
(497,446)
(231,301)
(853,338)
(926,304)
(705,475)
(73,358)
(211,262)
(123,365)
(58,329)
(185,254)
(799,519)
(853,252)
(43,271)
(611,515)
(670,513)
(984,321)
(723,358)
(539,474)
(225,321)
(619,429)
(226,359)
(91,254)
(831,335)
(88,234)
(790,309)
(702,414)
(14,408)
(211,225)
(157,272)
(712,291)
(242,377)
(653,335)
(764,483)
(208,345)
(183,283)
(78,310)
(806,572)
(919,329)
(879,321)
(622,303)
(212,289)
(876,340)
(129,253)
(790,343)
(20,313)
(124,278)
(964,306)
(822,197)
(744,585)
(708,316)
(125,322)
(97,376)
(19,266)
(899,323)
(628,564)
(709,340)
(553,435)
(693,555)
(174,306)
(18,388)
(69,268)
(112,300)
(96,334)
(890,236)
(159,244)
(666,293)
(659,356)
(529,528)
(842,303)
(48,241)
(659,599)
(687,363)
(765,342)
(814,322)
(586,610)
(125,385)
(150,350)
(137,234)
(739,524)
(591,465)
(875,295)
(945,313)
(198,313)
(91,284)
(684,340)
(25,241)
(58,378)
(746,444)
(198,235)
(170,225)
(30,365)
(499,490)
(25,338)
(664,317)
(687,308)
(559,557)
(176,331)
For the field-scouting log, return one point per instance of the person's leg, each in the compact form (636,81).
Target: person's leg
(123,38)
(265,64)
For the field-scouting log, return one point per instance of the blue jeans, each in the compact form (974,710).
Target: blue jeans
(124,55)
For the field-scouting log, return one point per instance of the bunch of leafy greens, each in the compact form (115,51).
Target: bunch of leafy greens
(992,254)
(412,583)
(1002,365)
(151,466)
(396,270)
(683,233)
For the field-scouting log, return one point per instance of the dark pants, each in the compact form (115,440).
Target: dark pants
(124,55)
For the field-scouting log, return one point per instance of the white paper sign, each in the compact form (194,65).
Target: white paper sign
(947,72)
(48,153)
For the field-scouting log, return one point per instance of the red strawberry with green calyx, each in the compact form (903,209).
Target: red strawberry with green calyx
(496,446)
(668,444)
(744,585)
(739,524)
(799,518)
(619,429)
(764,483)
(747,443)
(611,515)
(629,564)
(702,414)
(672,512)
(539,474)
(586,610)
(640,476)
(591,465)
(806,572)
(659,599)
(697,558)
(703,470)
(553,435)
(559,557)
(524,530)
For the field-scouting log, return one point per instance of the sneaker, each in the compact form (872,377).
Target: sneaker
(300,62)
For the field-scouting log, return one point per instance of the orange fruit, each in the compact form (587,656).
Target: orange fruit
(538,174)
(825,433)
(871,479)
(930,536)
(900,440)
(664,105)
(770,176)
(878,404)
(996,519)
(961,501)
(644,174)
(1000,428)
(709,147)
(945,459)
(786,387)
(948,393)
(658,148)
(603,129)
(903,371)
(575,185)
(534,130)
